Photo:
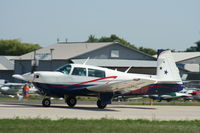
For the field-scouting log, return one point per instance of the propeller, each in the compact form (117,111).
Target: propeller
(34,63)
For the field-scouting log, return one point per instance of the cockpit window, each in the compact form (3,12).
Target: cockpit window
(64,69)
(79,71)
(96,73)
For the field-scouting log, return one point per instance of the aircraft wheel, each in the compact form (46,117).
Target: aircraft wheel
(46,102)
(168,100)
(100,105)
(71,101)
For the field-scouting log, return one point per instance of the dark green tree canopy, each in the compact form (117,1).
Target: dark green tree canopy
(194,48)
(113,38)
(16,47)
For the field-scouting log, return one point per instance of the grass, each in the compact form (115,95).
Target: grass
(97,126)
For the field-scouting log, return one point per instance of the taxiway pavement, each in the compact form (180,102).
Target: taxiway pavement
(90,111)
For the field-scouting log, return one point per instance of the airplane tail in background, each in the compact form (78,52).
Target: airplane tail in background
(166,67)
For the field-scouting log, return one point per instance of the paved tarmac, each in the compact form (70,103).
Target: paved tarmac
(90,111)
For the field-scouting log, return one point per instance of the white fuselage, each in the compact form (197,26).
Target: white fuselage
(56,77)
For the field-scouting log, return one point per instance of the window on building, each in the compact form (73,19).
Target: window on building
(64,69)
(96,73)
(79,71)
(114,53)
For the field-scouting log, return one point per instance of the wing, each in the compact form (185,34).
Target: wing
(122,86)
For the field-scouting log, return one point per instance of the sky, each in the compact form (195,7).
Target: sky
(166,24)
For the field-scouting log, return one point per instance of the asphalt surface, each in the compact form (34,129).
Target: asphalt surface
(90,111)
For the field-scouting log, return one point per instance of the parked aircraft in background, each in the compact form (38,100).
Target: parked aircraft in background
(11,88)
(181,95)
(2,82)
(17,89)
(73,80)
(196,95)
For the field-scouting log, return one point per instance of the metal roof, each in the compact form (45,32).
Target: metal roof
(187,59)
(181,56)
(7,62)
(64,50)
(116,62)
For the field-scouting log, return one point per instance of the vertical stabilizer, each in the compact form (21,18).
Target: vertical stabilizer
(166,67)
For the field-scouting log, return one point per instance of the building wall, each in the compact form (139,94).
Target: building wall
(48,65)
(25,66)
(139,70)
(7,75)
(22,66)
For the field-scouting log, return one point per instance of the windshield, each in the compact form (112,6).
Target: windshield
(65,69)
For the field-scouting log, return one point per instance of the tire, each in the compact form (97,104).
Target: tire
(46,102)
(71,101)
(100,105)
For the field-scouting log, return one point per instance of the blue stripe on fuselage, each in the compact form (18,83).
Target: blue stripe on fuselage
(54,90)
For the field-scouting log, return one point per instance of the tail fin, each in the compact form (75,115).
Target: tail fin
(167,70)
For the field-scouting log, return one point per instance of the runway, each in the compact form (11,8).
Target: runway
(88,111)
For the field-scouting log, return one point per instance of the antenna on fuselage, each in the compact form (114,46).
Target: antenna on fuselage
(86,61)
(128,69)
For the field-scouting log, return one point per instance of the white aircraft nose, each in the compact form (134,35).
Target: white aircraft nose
(17,76)
(27,77)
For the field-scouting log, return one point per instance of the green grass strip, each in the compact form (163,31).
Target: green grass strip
(97,126)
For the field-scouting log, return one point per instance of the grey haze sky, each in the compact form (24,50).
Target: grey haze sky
(173,24)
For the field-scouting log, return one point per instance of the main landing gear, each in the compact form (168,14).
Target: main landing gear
(71,101)
(46,102)
(100,105)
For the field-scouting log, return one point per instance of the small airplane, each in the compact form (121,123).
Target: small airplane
(17,89)
(73,80)
(181,95)
(11,88)
(196,95)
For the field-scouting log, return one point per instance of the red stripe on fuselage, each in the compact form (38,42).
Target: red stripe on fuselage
(148,86)
(111,77)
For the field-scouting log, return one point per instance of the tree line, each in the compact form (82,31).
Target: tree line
(15,47)
(114,38)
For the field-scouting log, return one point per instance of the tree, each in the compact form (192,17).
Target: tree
(148,50)
(114,38)
(194,48)
(92,38)
(16,47)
